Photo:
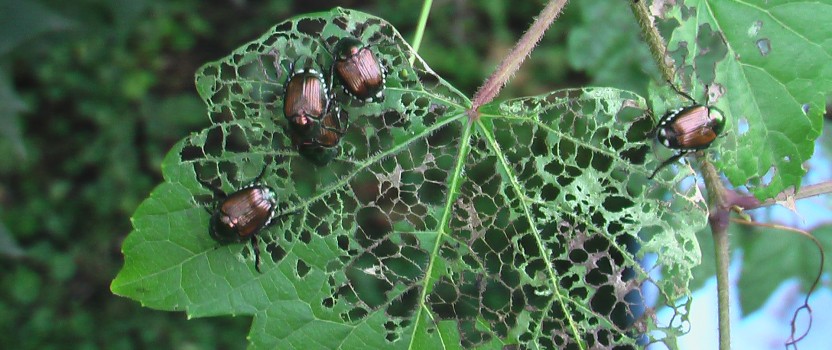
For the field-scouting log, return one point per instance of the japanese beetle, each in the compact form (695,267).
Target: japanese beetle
(242,215)
(319,144)
(305,98)
(358,69)
(688,129)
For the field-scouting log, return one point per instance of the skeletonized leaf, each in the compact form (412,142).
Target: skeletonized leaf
(426,230)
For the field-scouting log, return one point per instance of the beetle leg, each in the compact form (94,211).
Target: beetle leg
(218,193)
(293,212)
(343,122)
(270,224)
(255,244)
(262,172)
(331,86)
(680,92)
(666,163)
(346,124)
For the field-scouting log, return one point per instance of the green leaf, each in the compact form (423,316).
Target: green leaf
(613,53)
(8,244)
(11,105)
(23,20)
(427,229)
(769,64)
(793,256)
(826,141)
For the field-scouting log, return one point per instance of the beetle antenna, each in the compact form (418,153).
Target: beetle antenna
(666,163)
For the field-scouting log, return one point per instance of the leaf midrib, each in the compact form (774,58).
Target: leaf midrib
(515,185)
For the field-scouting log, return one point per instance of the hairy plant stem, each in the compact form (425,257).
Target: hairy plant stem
(719,217)
(420,28)
(492,86)
(651,36)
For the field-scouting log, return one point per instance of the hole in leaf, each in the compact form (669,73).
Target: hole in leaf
(302,268)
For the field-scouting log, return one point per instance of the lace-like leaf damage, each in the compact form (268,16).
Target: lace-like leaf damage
(526,227)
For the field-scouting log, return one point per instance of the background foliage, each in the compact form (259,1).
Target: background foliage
(93,93)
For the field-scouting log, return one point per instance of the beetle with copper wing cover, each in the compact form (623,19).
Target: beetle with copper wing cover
(688,129)
(358,69)
(242,214)
(316,123)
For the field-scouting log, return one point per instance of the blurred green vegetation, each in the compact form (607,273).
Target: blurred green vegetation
(93,93)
